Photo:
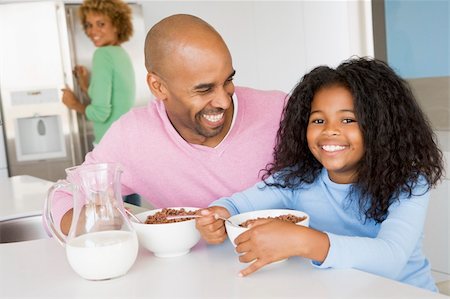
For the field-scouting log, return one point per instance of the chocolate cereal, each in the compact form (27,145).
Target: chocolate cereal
(289,218)
(161,216)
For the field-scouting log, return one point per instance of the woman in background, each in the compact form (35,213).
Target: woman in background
(111,88)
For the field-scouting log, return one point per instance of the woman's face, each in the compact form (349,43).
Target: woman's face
(333,134)
(100,30)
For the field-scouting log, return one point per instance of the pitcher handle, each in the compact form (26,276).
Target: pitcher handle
(48,211)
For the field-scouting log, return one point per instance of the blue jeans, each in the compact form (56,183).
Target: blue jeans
(134,199)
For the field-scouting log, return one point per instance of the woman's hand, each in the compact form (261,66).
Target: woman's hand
(70,100)
(212,229)
(268,241)
(82,75)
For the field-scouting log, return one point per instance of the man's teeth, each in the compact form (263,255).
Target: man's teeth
(213,117)
(332,148)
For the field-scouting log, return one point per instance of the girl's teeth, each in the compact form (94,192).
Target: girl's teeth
(213,118)
(332,148)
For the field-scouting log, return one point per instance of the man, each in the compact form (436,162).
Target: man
(202,138)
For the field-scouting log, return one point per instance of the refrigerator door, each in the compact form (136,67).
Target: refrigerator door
(42,136)
(3,163)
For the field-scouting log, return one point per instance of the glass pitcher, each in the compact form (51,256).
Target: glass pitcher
(101,242)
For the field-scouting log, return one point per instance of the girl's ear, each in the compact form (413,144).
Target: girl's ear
(156,86)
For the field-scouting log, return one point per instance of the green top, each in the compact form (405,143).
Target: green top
(111,89)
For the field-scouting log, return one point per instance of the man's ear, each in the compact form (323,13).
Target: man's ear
(156,86)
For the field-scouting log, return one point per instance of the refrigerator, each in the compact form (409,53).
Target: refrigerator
(3,164)
(40,43)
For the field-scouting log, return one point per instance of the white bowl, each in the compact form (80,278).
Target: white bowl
(168,239)
(234,231)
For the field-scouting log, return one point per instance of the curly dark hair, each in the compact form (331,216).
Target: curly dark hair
(118,11)
(399,142)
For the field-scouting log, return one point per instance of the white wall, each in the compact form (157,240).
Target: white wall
(273,43)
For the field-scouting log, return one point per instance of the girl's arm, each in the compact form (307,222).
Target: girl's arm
(258,197)
(388,253)
(271,241)
(255,198)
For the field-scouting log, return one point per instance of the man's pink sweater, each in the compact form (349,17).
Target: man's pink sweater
(161,166)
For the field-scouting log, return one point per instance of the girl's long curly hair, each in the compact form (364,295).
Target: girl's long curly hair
(399,142)
(118,11)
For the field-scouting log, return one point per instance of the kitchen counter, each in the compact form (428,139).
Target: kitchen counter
(22,201)
(22,196)
(39,269)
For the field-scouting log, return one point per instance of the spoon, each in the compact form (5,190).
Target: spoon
(134,217)
(197,216)
(226,219)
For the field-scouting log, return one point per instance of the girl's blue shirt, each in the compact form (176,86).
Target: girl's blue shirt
(392,249)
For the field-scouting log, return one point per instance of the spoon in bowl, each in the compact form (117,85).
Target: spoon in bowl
(226,219)
(134,217)
(197,216)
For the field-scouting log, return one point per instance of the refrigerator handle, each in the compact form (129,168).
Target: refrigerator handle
(82,125)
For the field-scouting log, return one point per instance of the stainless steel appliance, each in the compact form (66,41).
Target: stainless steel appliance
(40,44)
(3,164)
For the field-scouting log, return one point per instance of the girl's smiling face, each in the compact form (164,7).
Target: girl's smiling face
(333,134)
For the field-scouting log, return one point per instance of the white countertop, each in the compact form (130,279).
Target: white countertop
(22,196)
(39,269)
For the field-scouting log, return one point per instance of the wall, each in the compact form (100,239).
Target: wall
(274,43)
(417,45)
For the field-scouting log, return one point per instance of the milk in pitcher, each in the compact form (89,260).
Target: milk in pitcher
(102,255)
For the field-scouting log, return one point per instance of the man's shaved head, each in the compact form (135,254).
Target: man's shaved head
(190,70)
(169,36)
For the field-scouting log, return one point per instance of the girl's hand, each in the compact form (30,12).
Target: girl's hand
(82,75)
(268,241)
(212,229)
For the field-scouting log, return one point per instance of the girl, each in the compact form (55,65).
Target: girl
(356,153)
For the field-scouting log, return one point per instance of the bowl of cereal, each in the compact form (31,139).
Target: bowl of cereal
(245,219)
(167,237)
